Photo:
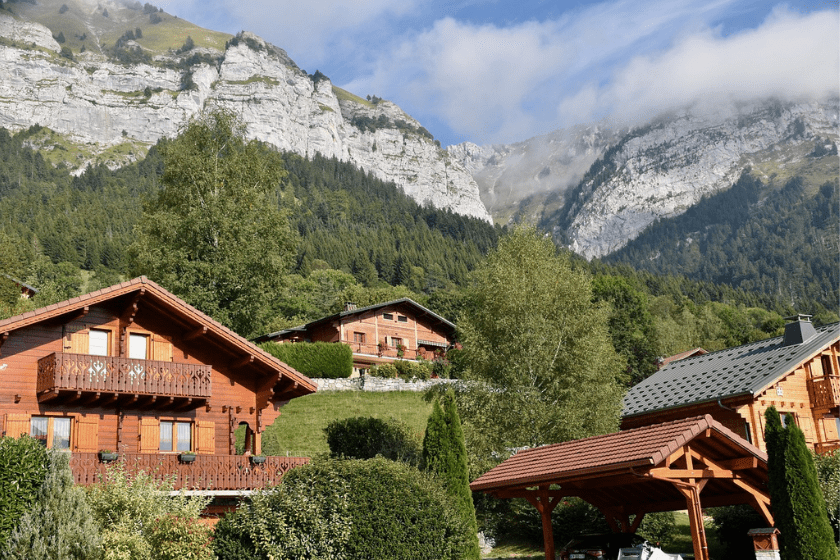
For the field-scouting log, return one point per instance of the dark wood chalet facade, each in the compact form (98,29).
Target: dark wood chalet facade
(381,333)
(135,370)
(798,373)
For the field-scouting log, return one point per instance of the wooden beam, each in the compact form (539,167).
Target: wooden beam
(691,473)
(740,464)
(193,334)
(3,338)
(46,396)
(242,362)
(545,504)
(695,520)
(92,398)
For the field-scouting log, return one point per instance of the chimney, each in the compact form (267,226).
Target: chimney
(798,330)
(349,306)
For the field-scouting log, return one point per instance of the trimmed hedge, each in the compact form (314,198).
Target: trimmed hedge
(355,510)
(328,360)
(364,437)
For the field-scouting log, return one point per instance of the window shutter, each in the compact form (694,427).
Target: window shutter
(161,348)
(149,435)
(76,339)
(205,437)
(17,424)
(87,434)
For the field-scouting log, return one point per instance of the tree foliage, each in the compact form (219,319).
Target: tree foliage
(798,505)
(24,465)
(214,234)
(538,349)
(445,455)
(315,359)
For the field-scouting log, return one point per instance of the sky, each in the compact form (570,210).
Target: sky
(503,71)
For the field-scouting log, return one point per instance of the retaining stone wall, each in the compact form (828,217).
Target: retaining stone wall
(377,384)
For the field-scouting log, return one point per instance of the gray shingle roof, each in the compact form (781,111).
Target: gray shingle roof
(743,370)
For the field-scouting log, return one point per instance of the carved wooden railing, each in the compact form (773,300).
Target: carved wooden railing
(389,351)
(83,372)
(825,391)
(207,472)
(826,447)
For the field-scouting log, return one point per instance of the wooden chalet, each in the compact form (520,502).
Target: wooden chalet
(798,373)
(134,370)
(381,333)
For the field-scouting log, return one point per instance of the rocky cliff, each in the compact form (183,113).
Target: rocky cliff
(114,112)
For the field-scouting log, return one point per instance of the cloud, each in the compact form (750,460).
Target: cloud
(789,57)
(623,59)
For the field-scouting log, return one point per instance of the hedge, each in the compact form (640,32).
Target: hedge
(24,464)
(364,437)
(329,360)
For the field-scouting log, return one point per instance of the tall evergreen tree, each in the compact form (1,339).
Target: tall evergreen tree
(798,505)
(445,454)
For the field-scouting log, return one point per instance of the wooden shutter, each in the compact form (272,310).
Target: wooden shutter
(149,435)
(87,434)
(205,437)
(76,339)
(17,424)
(161,348)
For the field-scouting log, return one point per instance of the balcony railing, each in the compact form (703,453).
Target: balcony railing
(825,391)
(111,374)
(207,472)
(385,351)
(826,447)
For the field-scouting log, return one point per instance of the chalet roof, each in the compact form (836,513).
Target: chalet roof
(20,283)
(163,299)
(419,310)
(744,370)
(682,355)
(598,456)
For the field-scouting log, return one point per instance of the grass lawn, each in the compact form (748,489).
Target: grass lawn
(299,431)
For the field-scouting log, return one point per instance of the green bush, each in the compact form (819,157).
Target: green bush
(404,369)
(828,472)
(732,524)
(385,371)
(365,437)
(658,527)
(175,538)
(59,524)
(315,359)
(231,539)
(24,465)
(126,505)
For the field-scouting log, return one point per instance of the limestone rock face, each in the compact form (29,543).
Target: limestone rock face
(99,104)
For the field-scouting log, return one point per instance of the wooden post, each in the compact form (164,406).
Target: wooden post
(545,505)
(695,520)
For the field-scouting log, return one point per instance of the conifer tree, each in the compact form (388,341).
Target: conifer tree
(445,454)
(798,506)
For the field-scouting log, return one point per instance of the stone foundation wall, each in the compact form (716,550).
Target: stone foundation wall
(377,384)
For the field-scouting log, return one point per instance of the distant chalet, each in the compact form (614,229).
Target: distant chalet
(377,334)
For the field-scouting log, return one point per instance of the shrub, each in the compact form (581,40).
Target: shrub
(386,371)
(126,505)
(828,472)
(404,369)
(315,359)
(658,527)
(355,510)
(364,437)
(59,523)
(231,539)
(732,524)
(24,465)
(175,538)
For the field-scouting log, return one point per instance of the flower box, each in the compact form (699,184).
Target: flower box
(186,457)
(108,456)
(257,459)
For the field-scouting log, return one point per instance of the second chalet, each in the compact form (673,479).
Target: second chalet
(381,333)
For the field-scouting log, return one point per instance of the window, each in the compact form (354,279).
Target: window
(175,436)
(388,316)
(98,342)
(402,319)
(53,433)
(138,346)
(359,337)
(788,419)
(747,433)
(396,341)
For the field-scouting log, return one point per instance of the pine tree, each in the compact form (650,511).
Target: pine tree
(798,506)
(445,454)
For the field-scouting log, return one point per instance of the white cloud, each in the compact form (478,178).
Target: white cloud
(789,57)
(629,59)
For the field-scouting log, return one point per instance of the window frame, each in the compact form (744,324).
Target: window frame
(49,437)
(108,341)
(359,337)
(402,319)
(173,435)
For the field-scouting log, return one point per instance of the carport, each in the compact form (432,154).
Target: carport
(686,464)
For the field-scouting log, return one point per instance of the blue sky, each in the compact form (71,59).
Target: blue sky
(499,71)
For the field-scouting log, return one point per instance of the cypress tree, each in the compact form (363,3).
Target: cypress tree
(795,495)
(445,454)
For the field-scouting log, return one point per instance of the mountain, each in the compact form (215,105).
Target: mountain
(107,80)
(597,189)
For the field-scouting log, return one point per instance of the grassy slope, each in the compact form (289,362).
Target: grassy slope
(299,431)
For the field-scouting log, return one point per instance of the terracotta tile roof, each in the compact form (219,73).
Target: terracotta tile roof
(612,453)
(169,300)
(742,370)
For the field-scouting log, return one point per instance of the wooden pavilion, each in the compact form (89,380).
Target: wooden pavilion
(663,467)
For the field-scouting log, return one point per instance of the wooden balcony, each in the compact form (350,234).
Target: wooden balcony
(109,380)
(825,447)
(207,472)
(389,352)
(825,391)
